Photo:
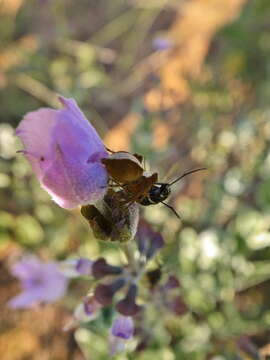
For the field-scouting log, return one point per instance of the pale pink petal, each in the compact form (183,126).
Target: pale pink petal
(35,132)
(65,152)
(71,183)
(24,300)
(40,282)
(26,267)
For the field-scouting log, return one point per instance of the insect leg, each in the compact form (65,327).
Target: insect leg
(109,150)
(173,210)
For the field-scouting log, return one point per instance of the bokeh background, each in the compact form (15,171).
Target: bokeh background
(186,84)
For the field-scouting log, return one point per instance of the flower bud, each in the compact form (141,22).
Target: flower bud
(128,306)
(104,293)
(111,220)
(101,268)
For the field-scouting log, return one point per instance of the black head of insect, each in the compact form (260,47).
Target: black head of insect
(158,193)
(161,191)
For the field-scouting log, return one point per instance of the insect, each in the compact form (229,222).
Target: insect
(161,191)
(126,171)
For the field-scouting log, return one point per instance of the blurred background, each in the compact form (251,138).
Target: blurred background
(186,84)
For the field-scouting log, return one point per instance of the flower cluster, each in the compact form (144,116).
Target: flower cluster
(117,287)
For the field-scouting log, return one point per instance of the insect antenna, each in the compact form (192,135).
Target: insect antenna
(185,174)
(173,210)
(174,181)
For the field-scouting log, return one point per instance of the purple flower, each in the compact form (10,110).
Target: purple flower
(122,330)
(40,282)
(65,151)
(123,327)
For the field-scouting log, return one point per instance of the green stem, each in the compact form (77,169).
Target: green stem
(129,253)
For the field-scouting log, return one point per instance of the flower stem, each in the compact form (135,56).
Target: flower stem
(129,253)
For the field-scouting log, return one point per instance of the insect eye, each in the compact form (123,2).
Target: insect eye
(165,192)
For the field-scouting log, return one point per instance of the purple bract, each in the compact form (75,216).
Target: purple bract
(65,151)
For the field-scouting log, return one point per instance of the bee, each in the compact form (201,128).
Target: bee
(127,172)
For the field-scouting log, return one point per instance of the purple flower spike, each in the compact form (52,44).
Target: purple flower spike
(41,282)
(123,327)
(65,151)
(101,268)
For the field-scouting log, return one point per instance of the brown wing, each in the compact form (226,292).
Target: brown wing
(123,167)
